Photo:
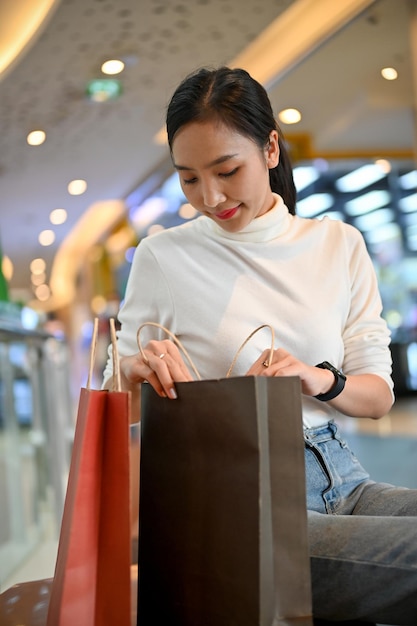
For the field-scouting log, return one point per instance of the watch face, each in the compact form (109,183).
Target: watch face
(328,366)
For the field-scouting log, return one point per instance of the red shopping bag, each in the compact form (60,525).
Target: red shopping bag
(91,585)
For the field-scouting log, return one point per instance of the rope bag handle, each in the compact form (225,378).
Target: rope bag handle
(174,339)
(187,356)
(271,349)
(116,380)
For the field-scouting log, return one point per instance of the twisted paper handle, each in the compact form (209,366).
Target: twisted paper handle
(184,351)
(271,350)
(174,339)
(116,383)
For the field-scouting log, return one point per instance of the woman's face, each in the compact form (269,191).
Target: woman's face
(223,174)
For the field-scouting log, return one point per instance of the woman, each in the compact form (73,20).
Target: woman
(249,260)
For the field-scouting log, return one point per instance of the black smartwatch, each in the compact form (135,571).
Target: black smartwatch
(339,382)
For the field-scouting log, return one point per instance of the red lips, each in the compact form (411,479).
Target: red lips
(227,214)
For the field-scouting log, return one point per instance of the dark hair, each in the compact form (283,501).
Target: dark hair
(239,101)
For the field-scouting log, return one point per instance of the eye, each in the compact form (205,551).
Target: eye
(189,181)
(228,174)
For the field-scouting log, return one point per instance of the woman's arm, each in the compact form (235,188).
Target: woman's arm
(364,395)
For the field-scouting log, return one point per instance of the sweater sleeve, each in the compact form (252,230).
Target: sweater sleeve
(366,336)
(147,299)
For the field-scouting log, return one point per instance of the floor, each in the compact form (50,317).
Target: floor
(386,447)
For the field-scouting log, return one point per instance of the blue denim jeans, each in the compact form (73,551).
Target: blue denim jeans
(362,534)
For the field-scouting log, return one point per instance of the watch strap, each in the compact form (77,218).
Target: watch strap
(339,384)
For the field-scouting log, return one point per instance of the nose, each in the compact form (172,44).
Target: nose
(212,195)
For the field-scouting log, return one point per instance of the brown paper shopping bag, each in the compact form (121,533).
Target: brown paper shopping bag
(91,585)
(223,522)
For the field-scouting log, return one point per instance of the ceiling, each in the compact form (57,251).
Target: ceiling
(347,107)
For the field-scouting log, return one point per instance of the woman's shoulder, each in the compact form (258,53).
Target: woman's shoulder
(330,226)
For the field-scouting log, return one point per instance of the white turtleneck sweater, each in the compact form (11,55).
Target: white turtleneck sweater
(311,280)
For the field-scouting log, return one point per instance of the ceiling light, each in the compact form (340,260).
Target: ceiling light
(103,89)
(46,237)
(113,66)
(37,266)
(367,202)
(129,254)
(172,192)
(161,137)
(43,293)
(412,231)
(98,304)
(314,204)
(304,176)
(58,216)
(289,116)
(409,181)
(384,164)
(410,219)
(155,228)
(36,137)
(394,318)
(374,219)
(30,318)
(412,241)
(77,187)
(38,279)
(7,268)
(384,233)
(389,73)
(187,212)
(409,203)
(321,165)
(148,212)
(360,178)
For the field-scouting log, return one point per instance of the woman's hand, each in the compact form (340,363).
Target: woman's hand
(364,395)
(162,366)
(313,379)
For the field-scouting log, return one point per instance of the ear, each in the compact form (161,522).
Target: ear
(272,150)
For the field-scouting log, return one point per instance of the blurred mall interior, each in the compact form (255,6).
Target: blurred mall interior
(85,174)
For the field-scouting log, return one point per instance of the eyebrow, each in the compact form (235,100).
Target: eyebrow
(218,161)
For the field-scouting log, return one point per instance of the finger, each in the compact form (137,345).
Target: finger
(173,363)
(153,380)
(175,359)
(159,375)
(138,369)
(261,363)
(168,370)
(169,352)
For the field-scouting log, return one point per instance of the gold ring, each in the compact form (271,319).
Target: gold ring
(161,356)
(265,364)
